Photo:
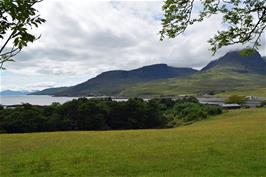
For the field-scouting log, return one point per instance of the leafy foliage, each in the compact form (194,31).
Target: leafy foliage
(190,111)
(245,20)
(17,17)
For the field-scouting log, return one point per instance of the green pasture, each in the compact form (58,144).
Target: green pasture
(229,145)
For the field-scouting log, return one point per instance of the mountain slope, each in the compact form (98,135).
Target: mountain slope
(212,82)
(236,62)
(264,58)
(231,72)
(49,91)
(113,82)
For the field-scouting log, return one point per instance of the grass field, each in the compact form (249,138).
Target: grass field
(229,145)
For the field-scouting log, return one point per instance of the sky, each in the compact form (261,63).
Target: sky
(81,39)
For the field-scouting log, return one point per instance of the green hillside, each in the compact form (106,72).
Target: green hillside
(232,144)
(260,92)
(49,91)
(220,80)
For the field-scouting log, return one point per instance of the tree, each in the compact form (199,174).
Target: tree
(17,18)
(245,19)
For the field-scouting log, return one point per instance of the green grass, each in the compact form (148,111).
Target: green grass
(259,92)
(218,81)
(232,144)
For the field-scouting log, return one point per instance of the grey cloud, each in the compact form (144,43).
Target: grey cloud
(48,53)
(42,85)
(108,40)
(55,71)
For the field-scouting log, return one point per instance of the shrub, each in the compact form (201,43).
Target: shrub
(189,99)
(214,109)
(236,99)
(263,103)
(191,111)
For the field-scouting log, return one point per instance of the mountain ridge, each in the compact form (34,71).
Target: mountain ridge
(231,71)
(13,93)
(113,82)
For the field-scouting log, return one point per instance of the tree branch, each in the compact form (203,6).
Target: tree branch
(8,39)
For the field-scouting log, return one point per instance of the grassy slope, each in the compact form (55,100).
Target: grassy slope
(216,80)
(233,144)
(260,92)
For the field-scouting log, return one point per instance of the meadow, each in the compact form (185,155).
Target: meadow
(228,145)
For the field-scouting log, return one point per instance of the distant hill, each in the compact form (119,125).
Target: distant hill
(230,73)
(113,82)
(49,91)
(13,93)
(238,63)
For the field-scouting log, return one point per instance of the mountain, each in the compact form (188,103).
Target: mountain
(231,73)
(49,91)
(13,93)
(236,62)
(264,58)
(113,82)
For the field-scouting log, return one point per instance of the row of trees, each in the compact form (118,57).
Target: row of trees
(104,114)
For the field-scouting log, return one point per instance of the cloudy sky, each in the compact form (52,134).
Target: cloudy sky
(84,38)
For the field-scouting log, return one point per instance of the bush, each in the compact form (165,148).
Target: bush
(214,109)
(263,103)
(236,99)
(191,111)
(189,99)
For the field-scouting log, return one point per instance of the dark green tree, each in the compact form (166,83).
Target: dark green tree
(155,113)
(17,18)
(91,116)
(245,20)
